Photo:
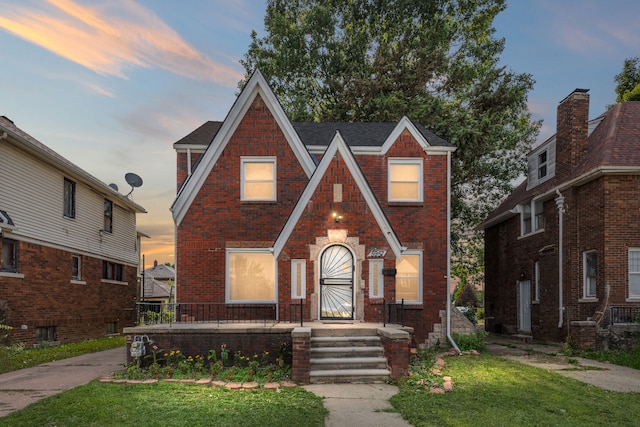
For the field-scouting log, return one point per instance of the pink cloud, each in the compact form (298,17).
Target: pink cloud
(112,38)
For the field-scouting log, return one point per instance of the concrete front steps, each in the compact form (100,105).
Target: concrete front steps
(353,355)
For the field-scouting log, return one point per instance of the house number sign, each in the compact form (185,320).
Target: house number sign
(377,253)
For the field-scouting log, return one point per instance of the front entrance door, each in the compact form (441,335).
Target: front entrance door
(524,323)
(336,283)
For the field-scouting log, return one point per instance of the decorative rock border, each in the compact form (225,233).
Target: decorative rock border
(230,385)
(439,364)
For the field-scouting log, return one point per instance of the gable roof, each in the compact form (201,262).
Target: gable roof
(37,149)
(338,145)
(613,146)
(256,85)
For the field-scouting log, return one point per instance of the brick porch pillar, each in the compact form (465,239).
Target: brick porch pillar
(301,348)
(396,350)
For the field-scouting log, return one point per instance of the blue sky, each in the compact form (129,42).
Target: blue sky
(112,84)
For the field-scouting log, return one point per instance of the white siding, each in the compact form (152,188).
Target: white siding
(31,191)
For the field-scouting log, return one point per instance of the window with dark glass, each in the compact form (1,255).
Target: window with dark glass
(542,164)
(111,271)
(76,267)
(69,198)
(9,255)
(108,216)
(46,334)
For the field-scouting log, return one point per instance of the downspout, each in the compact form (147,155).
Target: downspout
(560,204)
(449,337)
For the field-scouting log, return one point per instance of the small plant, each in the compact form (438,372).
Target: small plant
(471,341)
(224,354)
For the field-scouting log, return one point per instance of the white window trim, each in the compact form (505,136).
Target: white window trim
(584,275)
(227,297)
(420,274)
(534,223)
(295,263)
(406,161)
(372,278)
(268,159)
(631,298)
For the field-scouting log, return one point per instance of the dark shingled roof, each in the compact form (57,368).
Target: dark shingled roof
(362,134)
(615,142)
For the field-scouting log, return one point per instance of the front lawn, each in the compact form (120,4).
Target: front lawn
(493,391)
(170,404)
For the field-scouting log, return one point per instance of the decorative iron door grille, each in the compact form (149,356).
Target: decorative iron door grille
(336,283)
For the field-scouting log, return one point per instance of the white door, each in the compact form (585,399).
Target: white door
(524,315)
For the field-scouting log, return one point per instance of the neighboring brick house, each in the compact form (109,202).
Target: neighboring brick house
(562,252)
(343,217)
(70,250)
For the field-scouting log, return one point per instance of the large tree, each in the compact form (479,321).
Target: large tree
(628,80)
(434,61)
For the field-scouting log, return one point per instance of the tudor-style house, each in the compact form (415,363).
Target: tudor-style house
(562,252)
(69,254)
(345,219)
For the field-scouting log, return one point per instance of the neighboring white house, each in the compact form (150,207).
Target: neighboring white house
(70,249)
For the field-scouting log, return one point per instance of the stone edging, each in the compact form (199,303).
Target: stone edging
(205,381)
(439,364)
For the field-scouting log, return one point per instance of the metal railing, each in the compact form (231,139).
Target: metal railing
(624,315)
(151,313)
(394,313)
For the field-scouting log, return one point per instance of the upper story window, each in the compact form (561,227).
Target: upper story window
(531,216)
(541,164)
(9,255)
(405,180)
(258,178)
(69,198)
(590,270)
(108,216)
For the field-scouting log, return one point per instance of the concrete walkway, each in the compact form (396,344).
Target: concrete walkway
(26,386)
(358,404)
(549,356)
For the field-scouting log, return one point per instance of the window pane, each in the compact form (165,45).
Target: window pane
(404,172)
(407,277)
(634,285)
(634,273)
(258,190)
(9,255)
(69,198)
(251,277)
(404,191)
(258,171)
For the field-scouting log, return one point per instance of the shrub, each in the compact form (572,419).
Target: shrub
(471,341)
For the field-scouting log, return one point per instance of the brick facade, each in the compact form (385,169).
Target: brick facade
(46,297)
(600,215)
(217,220)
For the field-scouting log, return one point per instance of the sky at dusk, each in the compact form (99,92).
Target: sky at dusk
(112,84)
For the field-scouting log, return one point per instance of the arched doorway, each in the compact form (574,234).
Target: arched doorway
(336,283)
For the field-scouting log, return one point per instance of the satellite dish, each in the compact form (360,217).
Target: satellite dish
(133,180)
(113,186)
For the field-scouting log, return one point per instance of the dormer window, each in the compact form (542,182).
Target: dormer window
(405,180)
(541,164)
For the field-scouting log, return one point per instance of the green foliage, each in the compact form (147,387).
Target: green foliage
(628,88)
(470,341)
(419,376)
(494,391)
(630,358)
(19,357)
(436,62)
(170,405)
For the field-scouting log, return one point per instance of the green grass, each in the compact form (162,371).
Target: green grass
(14,357)
(630,358)
(492,391)
(169,404)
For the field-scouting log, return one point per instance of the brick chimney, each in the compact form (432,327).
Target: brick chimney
(571,131)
